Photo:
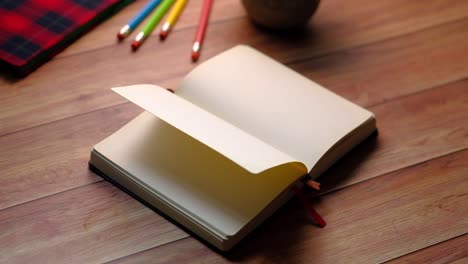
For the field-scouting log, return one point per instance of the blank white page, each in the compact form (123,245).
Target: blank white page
(272,103)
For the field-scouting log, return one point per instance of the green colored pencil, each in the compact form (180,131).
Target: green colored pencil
(152,23)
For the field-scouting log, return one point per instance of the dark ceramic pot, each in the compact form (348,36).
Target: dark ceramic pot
(280,14)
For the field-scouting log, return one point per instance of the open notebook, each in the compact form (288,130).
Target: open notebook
(220,154)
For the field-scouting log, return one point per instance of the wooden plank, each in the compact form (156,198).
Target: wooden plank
(449,251)
(53,158)
(97,223)
(371,222)
(331,22)
(339,25)
(380,72)
(71,87)
(411,130)
(34,185)
(105,34)
(187,250)
(92,224)
(460,261)
(405,124)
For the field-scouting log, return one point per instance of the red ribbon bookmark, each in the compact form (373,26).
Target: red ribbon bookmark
(317,218)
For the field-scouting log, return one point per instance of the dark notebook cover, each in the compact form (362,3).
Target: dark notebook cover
(32,31)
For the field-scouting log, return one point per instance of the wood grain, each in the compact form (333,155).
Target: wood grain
(377,73)
(399,197)
(179,251)
(334,20)
(91,224)
(370,222)
(409,134)
(105,34)
(449,251)
(53,158)
(413,129)
(23,186)
(72,87)
(98,222)
(460,261)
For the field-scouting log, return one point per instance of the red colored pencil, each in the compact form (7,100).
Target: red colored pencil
(204,16)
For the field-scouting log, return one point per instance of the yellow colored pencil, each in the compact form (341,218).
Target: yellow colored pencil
(172,18)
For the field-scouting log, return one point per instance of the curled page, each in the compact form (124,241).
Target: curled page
(240,147)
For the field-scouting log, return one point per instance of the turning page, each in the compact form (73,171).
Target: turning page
(216,174)
(238,146)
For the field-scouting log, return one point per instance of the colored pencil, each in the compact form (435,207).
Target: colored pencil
(152,23)
(136,20)
(200,34)
(172,18)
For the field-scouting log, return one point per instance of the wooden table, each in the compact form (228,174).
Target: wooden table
(400,197)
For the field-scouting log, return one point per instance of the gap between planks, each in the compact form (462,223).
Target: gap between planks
(338,50)
(440,252)
(325,191)
(289,63)
(215,256)
(400,168)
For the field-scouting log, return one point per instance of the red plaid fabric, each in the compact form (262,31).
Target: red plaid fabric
(31,28)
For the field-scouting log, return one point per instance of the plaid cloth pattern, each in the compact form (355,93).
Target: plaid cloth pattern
(31,31)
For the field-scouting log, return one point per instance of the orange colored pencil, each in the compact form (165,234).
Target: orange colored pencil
(201,29)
